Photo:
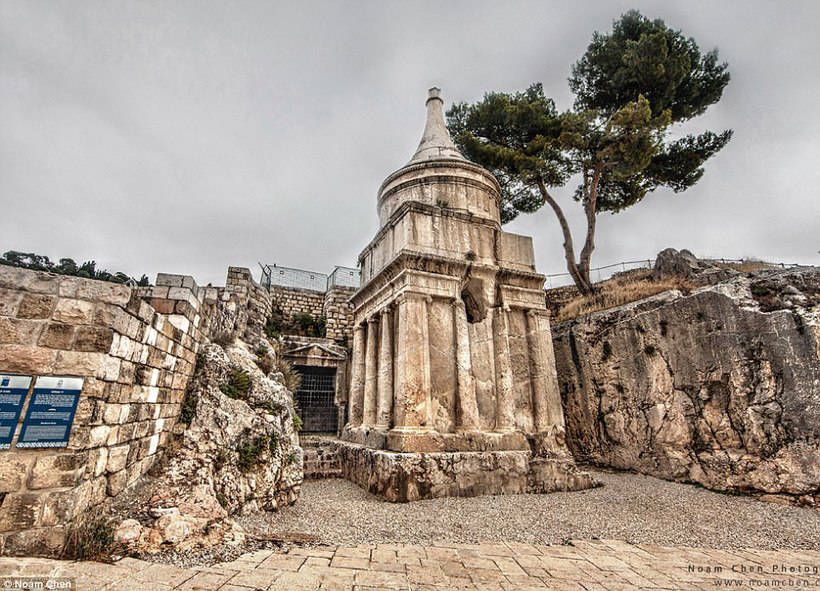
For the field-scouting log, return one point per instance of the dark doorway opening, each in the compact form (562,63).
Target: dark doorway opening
(316,399)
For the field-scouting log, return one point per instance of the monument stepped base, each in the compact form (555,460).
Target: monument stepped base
(403,477)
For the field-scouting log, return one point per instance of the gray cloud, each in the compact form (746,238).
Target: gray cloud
(187,136)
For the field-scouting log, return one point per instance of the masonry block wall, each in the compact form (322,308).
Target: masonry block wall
(136,350)
(339,313)
(292,301)
(245,303)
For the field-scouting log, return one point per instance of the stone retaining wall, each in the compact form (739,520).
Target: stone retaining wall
(339,313)
(136,350)
(293,301)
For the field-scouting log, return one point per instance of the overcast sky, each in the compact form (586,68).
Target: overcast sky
(184,137)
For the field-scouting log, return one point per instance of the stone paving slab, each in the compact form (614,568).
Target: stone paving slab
(584,565)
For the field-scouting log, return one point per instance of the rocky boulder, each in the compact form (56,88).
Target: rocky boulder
(719,387)
(674,263)
(239,453)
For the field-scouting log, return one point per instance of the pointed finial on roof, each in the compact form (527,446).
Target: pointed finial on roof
(435,142)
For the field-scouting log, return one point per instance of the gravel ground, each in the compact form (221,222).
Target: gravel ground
(629,507)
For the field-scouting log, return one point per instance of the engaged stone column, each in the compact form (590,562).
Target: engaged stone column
(356,398)
(504,393)
(467,406)
(412,388)
(546,396)
(371,372)
(384,408)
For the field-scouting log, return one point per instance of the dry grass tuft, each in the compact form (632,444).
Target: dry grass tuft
(747,266)
(618,291)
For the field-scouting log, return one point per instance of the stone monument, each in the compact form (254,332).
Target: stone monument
(453,385)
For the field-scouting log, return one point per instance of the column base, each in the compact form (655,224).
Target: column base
(403,477)
(423,441)
(367,436)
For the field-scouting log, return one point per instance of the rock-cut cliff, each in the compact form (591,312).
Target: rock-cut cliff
(720,386)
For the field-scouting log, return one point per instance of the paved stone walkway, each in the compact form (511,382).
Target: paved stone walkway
(604,565)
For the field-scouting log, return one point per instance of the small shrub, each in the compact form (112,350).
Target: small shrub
(274,324)
(297,422)
(90,540)
(292,378)
(470,255)
(224,338)
(188,410)
(222,500)
(238,384)
(649,349)
(250,453)
(310,326)
(443,203)
(266,364)
(272,407)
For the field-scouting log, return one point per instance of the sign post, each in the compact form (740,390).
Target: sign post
(13,390)
(50,412)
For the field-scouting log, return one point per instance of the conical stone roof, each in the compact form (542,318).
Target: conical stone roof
(436,143)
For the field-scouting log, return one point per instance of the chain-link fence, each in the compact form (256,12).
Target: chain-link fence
(312,280)
(344,277)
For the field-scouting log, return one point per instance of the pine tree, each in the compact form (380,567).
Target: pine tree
(631,87)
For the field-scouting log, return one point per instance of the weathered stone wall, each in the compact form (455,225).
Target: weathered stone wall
(339,313)
(136,349)
(721,387)
(292,301)
(252,302)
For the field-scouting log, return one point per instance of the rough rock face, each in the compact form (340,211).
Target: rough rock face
(240,453)
(683,263)
(720,387)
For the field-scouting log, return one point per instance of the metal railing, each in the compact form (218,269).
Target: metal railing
(603,273)
(344,277)
(598,273)
(274,275)
(290,277)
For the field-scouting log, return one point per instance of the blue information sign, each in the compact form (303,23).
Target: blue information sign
(13,390)
(50,412)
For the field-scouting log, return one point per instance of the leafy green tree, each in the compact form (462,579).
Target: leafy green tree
(631,87)
(66,266)
(88,269)
(29,260)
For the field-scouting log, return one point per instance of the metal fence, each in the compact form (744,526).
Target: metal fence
(344,277)
(598,273)
(603,273)
(312,280)
(289,277)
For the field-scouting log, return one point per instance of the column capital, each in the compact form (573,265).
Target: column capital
(386,311)
(374,319)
